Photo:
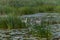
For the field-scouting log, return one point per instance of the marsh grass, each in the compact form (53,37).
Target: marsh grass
(22,7)
(11,22)
(25,10)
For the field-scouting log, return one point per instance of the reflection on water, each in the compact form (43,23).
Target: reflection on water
(16,34)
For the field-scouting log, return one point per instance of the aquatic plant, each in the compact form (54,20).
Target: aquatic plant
(11,22)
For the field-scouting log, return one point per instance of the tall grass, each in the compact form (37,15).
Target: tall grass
(28,10)
(11,22)
(22,7)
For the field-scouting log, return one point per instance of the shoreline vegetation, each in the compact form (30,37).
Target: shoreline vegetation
(25,7)
(11,22)
(29,10)
(14,22)
(14,8)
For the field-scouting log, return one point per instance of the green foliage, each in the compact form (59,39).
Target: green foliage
(11,22)
(3,23)
(42,30)
(20,3)
(27,10)
(57,9)
(22,7)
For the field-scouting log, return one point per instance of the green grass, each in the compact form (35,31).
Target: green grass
(25,7)
(11,22)
(29,10)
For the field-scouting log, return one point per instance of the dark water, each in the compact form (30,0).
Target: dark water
(16,34)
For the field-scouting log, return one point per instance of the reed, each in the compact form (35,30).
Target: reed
(11,22)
